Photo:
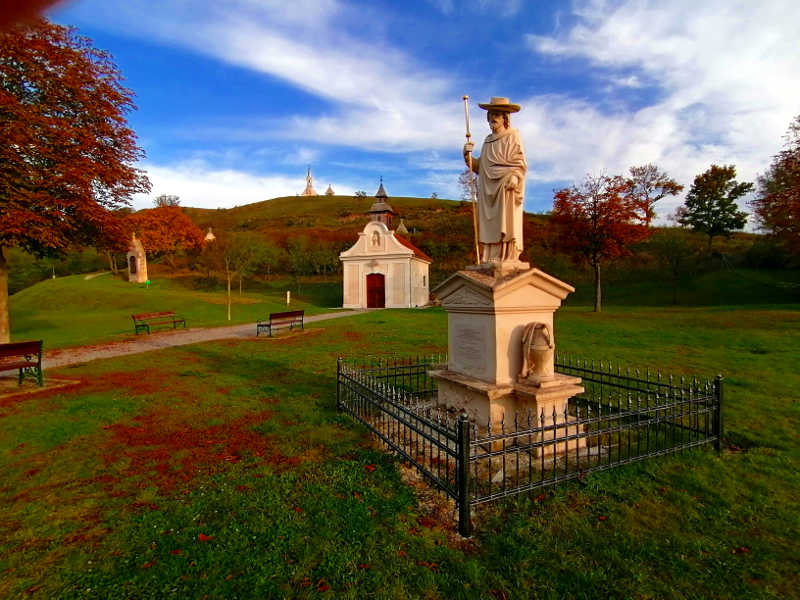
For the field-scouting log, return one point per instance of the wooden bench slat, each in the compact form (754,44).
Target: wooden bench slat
(143,321)
(288,318)
(31,352)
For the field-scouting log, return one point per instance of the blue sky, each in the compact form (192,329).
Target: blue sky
(236,98)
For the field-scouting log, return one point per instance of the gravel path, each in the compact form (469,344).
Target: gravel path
(162,339)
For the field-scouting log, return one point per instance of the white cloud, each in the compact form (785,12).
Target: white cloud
(631,81)
(727,77)
(202,186)
(724,74)
(300,155)
(379,94)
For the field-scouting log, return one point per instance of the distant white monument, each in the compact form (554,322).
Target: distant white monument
(309,191)
(137,261)
(329,191)
(210,237)
(383,269)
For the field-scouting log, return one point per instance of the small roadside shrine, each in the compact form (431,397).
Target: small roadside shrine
(137,261)
(383,269)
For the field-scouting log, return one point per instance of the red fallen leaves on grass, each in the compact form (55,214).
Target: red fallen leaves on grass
(322,586)
(498,594)
(306,582)
(151,443)
(150,505)
(432,566)
(176,552)
(401,553)
(740,550)
(364,566)
(370,468)
(540,498)
(147,565)
(602,518)
(297,509)
(204,538)
(427,522)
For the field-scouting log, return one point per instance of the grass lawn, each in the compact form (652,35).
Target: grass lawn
(75,311)
(223,470)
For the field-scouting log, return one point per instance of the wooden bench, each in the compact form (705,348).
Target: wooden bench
(25,356)
(144,321)
(288,319)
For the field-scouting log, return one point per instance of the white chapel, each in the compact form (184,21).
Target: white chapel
(383,269)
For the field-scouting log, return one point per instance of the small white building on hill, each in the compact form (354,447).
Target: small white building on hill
(383,269)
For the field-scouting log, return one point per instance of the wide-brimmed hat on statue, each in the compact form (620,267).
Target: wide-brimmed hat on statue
(500,105)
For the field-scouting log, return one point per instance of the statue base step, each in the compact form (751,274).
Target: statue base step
(517,406)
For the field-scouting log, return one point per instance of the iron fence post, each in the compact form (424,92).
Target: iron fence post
(464,524)
(339,383)
(717,418)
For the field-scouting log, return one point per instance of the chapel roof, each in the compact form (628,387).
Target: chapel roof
(417,252)
(381,205)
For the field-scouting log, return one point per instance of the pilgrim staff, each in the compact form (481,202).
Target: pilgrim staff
(472,184)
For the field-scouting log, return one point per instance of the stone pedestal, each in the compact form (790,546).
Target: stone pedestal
(489,308)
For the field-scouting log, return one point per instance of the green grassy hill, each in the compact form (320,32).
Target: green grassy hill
(315,212)
(74,311)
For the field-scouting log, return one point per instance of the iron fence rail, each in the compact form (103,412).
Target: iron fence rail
(393,399)
(622,417)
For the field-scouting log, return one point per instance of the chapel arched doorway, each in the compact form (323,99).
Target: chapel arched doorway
(376,294)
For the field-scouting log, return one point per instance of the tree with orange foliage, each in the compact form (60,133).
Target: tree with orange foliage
(597,221)
(67,154)
(165,231)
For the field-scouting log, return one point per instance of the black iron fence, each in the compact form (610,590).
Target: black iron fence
(622,417)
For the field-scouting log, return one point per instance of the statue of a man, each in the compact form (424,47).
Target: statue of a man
(501,169)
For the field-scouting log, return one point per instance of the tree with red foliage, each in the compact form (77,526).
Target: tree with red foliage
(649,184)
(597,221)
(777,202)
(165,231)
(67,154)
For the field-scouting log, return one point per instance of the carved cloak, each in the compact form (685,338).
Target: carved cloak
(500,211)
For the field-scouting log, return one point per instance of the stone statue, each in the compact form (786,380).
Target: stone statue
(501,170)
(537,353)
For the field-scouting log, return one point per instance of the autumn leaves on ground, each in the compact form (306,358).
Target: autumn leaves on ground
(223,469)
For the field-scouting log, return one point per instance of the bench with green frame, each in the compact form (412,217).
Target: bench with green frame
(25,356)
(144,321)
(289,319)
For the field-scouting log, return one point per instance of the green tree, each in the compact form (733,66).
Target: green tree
(710,206)
(236,256)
